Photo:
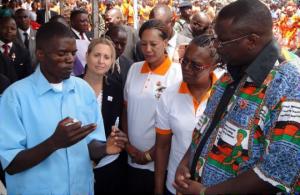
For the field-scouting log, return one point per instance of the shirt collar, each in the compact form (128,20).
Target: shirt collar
(160,70)
(43,85)
(22,31)
(259,69)
(172,41)
(77,32)
(183,89)
(9,44)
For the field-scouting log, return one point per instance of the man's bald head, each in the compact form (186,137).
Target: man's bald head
(161,12)
(200,16)
(200,23)
(114,16)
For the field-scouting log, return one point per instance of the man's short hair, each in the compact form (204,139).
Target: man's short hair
(115,28)
(49,31)
(248,16)
(4,20)
(20,10)
(74,13)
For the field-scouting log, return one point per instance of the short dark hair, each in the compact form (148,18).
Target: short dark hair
(4,20)
(115,28)
(49,31)
(248,16)
(207,41)
(202,40)
(155,24)
(56,17)
(20,10)
(59,18)
(74,13)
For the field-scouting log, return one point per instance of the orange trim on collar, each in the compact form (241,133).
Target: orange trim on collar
(160,70)
(183,89)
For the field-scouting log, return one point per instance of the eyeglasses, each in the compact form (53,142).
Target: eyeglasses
(220,44)
(193,65)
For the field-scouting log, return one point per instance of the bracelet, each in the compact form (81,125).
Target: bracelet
(202,191)
(148,157)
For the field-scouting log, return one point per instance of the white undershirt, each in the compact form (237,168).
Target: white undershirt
(109,158)
(58,87)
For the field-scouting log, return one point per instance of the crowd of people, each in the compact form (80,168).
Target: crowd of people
(202,98)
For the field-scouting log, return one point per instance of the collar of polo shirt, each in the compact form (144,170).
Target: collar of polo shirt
(183,89)
(160,70)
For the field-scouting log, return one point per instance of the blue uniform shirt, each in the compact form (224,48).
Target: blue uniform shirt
(29,112)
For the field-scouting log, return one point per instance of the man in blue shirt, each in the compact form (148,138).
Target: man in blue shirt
(50,124)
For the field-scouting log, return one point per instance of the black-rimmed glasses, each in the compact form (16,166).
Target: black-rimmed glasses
(221,44)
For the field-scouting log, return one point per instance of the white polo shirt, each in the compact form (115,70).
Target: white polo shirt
(178,114)
(142,91)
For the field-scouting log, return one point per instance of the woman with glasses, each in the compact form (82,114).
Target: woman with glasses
(146,82)
(177,113)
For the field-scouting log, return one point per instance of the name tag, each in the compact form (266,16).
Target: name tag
(109,98)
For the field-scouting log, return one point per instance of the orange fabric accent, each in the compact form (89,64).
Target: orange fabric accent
(290,130)
(257,134)
(217,157)
(183,89)
(196,104)
(160,70)
(163,131)
(248,90)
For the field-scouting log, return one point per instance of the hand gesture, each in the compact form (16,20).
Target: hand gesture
(69,132)
(116,141)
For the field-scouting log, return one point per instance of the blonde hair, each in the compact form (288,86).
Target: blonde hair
(103,41)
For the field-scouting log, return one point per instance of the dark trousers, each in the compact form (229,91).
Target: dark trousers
(167,192)
(2,175)
(111,179)
(140,181)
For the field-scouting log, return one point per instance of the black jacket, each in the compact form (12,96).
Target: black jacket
(88,34)
(125,64)
(17,65)
(40,15)
(112,103)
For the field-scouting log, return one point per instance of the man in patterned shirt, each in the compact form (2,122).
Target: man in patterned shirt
(247,141)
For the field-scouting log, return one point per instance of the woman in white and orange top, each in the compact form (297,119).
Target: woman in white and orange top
(146,82)
(177,114)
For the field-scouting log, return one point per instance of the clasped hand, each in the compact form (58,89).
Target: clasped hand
(137,156)
(183,182)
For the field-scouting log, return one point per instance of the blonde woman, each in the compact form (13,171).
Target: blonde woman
(100,59)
